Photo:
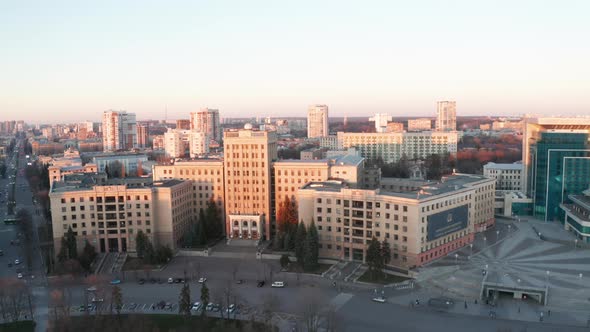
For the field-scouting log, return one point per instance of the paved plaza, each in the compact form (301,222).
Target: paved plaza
(512,253)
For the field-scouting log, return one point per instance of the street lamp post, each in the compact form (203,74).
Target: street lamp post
(547,273)
(497,235)
(575,244)
(456,257)
(471,246)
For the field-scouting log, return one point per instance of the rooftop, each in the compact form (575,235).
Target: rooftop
(513,166)
(342,160)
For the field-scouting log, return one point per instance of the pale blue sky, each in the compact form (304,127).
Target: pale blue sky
(62,60)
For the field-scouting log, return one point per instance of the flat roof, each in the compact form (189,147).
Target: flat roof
(513,166)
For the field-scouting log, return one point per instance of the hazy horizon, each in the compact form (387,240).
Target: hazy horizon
(68,61)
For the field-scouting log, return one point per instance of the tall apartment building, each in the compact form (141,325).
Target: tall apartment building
(198,143)
(206,176)
(392,146)
(381,120)
(119,130)
(178,143)
(421,124)
(420,226)
(508,176)
(248,158)
(317,121)
(446,116)
(291,175)
(556,158)
(142,136)
(129,162)
(109,216)
(207,120)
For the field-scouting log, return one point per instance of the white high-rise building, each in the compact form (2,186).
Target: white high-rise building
(381,120)
(198,143)
(119,131)
(206,120)
(317,121)
(446,116)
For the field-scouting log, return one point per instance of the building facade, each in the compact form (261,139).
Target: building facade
(390,147)
(556,164)
(248,158)
(128,162)
(142,136)
(381,120)
(419,226)
(577,215)
(109,216)
(119,130)
(423,124)
(508,176)
(317,121)
(446,116)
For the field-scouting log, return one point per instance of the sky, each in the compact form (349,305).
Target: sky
(64,61)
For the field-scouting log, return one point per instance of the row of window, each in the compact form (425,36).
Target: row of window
(107,199)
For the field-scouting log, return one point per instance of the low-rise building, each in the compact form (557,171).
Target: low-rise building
(577,215)
(420,225)
(507,176)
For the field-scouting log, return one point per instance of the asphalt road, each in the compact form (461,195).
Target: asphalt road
(7,232)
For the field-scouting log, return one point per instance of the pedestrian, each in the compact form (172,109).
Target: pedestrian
(475,301)
(548,312)
(465,304)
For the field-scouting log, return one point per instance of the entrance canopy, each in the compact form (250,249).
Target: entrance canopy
(496,282)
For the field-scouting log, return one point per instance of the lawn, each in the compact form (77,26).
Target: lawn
(320,269)
(22,326)
(381,278)
(161,322)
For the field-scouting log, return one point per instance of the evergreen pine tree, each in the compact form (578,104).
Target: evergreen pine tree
(311,249)
(204,298)
(71,244)
(184,301)
(202,229)
(300,236)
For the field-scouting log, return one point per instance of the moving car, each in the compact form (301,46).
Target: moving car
(170,280)
(278,284)
(260,283)
(16,262)
(20,275)
(380,299)
(202,280)
(91,289)
(94,299)
(115,281)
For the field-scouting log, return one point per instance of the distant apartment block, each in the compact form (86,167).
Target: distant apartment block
(119,131)
(182,143)
(392,146)
(446,116)
(248,158)
(142,136)
(394,127)
(128,163)
(330,142)
(420,226)
(317,121)
(422,124)
(508,176)
(183,124)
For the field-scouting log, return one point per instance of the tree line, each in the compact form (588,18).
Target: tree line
(208,227)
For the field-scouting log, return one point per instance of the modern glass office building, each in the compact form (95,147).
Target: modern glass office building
(559,166)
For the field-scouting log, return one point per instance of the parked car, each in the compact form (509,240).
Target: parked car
(141,281)
(260,283)
(278,284)
(152,281)
(91,289)
(1,253)
(9,264)
(202,280)
(20,275)
(231,309)
(16,262)
(115,281)
(132,306)
(94,299)
(196,306)
(170,280)
(209,306)
(240,281)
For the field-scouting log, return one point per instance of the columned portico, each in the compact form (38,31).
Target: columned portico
(246,226)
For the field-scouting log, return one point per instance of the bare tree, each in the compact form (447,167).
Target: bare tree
(313,311)
(269,307)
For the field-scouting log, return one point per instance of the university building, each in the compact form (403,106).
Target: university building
(420,225)
(109,215)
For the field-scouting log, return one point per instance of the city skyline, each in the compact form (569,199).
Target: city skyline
(271,59)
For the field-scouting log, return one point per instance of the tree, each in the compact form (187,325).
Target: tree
(204,298)
(117,299)
(385,252)
(286,215)
(433,166)
(300,236)
(285,261)
(311,250)
(202,229)
(184,302)
(212,215)
(374,257)
(71,244)
(88,255)
(62,256)
(141,243)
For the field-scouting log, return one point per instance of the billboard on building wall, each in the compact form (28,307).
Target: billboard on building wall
(447,222)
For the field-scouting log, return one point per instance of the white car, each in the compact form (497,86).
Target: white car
(278,284)
(20,275)
(91,289)
(170,280)
(94,299)
(380,299)
(196,306)
(202,280)
(16,262)
(231,308)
